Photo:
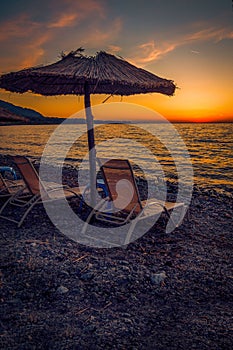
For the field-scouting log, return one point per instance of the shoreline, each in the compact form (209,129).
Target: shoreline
(71,172)
(59,294)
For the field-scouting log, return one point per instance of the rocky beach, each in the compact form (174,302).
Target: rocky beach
(163,291)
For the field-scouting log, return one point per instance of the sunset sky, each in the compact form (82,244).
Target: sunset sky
(188,41)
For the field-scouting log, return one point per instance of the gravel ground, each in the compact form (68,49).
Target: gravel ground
(163,291)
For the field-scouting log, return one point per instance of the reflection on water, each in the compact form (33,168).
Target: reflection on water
(209,146)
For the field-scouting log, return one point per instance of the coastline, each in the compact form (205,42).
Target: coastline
(57,121)
(58,294)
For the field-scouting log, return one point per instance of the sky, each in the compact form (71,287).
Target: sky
(187,41)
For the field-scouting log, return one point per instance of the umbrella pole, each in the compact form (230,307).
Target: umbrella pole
(91,143)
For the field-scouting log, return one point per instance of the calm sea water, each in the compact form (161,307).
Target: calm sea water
(152,146)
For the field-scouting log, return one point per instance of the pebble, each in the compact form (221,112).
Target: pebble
(87,276)
(62,290)
(158,278)
(65,273)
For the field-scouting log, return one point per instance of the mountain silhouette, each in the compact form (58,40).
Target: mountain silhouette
(12,113)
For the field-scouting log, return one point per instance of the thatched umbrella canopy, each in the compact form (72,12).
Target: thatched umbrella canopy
(77,74)
(104,73)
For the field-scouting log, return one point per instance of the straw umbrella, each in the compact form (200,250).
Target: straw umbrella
(77,74)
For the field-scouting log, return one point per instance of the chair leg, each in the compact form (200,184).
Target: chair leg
(27,212)
(5,205)
(9,201)
(132,227)
(97,207)
(86,224)
(184,209)
(175,225)
(130,231)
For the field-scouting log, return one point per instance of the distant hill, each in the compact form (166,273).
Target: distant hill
(11,113)
(7,116)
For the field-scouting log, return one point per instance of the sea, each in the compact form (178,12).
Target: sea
(202,152)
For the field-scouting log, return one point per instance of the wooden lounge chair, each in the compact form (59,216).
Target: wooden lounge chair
(38,191)
(127,206)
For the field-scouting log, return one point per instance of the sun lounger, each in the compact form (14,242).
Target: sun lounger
(38,191)
(123,194)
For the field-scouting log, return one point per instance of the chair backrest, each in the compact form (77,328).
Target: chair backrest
(29,174)
(119,179)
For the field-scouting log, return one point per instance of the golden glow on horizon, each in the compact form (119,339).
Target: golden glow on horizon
(183,107)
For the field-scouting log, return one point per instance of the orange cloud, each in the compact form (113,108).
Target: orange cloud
(96,36)
(29,56)
(26,41)
(64,21)
(34,51)
(210,33)
(149,51)
(19,27)
(23,40)
(152,53)
(114,48)
(68,12)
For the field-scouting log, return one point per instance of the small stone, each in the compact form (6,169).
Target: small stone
(168,263)
(158,278)
(62,290)
(90,328)
(87,276)
(65,273)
